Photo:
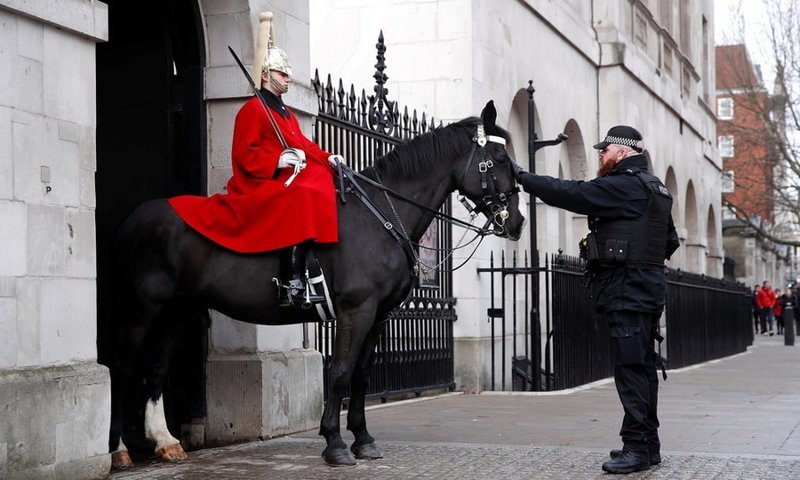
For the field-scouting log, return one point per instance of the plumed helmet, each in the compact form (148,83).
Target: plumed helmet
(277,60)
(267,55)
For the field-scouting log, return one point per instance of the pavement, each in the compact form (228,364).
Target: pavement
(733,418)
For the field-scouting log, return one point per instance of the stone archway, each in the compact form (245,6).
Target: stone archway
(695,247)
(671,182)
(574,165)
(714,256)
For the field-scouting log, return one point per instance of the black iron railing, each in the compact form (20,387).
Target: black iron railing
(706,318)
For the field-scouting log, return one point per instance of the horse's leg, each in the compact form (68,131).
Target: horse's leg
(364,446)
(131,337)
(177,316)
(349,341)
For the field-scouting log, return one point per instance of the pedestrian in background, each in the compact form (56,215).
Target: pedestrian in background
(786,300)
(756,309)
(765,300)
(777,311)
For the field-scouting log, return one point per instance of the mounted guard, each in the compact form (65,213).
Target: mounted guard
(281,194)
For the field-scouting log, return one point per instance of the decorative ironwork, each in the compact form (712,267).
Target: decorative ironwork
(376,113)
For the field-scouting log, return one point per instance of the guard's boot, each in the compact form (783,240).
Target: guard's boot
(655,457)
(296,293)
(628,462)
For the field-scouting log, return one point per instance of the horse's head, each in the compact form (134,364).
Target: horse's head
(488,178)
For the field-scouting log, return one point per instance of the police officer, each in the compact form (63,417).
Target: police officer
(632,233)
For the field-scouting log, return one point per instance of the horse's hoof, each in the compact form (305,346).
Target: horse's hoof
(367,451)
(338,457)
(121,461)
(172,453)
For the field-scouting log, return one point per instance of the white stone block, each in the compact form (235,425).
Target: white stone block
(27,154)
(80,244)
(8,325)
(8,39)
(263,395)
(62,158)
(220,135)
(223,7)
(218,180)
(87,144)
(6,155)
(454,19)
(273,338)
(46,244)
(87,191)
(68,320)
(13,229)
(235,31)
(231,336)
(69,94)
(29,38)
(28,321)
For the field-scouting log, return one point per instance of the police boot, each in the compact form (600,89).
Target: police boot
(296,292)
(655,457)
(628,462)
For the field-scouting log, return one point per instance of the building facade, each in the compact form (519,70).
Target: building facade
(749,164)
(592,64)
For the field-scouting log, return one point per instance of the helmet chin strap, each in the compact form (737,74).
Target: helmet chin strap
(276,84)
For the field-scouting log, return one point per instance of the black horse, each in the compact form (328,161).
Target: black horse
(173,275)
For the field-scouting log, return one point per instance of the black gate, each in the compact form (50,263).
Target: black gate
(705,319)
(575,348)
(415,351)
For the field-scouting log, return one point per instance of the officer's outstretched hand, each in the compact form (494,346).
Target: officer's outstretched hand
(518,170)
(335,160)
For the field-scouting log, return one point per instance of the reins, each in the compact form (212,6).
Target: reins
(350,173)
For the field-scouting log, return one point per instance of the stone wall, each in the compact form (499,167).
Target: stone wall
(54,398)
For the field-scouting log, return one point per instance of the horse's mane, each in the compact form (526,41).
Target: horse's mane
(419,155)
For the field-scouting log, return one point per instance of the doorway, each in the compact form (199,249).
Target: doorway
(151,143)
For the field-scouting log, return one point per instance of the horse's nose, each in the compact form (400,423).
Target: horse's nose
(515,227)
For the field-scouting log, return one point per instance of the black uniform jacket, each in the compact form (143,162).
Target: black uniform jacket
(619,195)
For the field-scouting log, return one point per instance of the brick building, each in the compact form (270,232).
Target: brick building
(743,104)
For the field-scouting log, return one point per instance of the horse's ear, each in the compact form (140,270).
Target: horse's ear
(489,115)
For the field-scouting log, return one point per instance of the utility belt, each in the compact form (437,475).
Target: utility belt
(612,255)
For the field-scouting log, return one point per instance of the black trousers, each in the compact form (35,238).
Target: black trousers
(636,377)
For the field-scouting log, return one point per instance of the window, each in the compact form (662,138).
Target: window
(667,58)
(640,29)
(725,145)
(728,182)
(725,108)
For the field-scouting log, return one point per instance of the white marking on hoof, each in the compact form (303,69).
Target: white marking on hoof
(155,425)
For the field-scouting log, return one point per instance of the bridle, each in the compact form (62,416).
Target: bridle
(493,203)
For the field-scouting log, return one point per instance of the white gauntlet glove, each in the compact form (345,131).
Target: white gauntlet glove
(335,160)
(292,157)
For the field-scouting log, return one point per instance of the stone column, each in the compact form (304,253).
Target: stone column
(54,397)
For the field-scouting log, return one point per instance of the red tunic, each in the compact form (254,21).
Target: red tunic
(258,213)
